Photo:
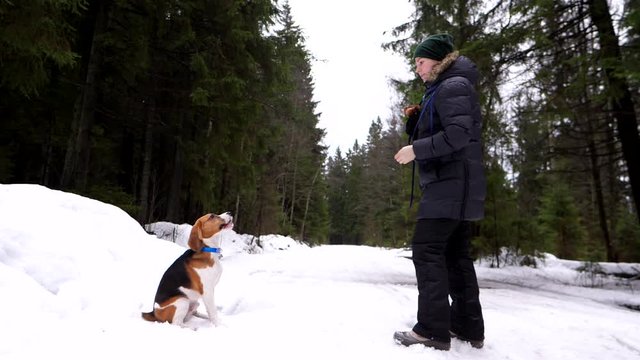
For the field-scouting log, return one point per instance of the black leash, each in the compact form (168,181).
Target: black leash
(427,99)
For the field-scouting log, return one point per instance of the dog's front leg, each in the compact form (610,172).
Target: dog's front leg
(210,305)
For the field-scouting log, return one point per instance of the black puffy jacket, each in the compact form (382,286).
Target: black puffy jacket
(447,144)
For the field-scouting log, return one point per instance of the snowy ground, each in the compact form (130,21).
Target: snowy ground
(75,274)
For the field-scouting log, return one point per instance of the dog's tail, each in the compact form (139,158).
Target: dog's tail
(149,316)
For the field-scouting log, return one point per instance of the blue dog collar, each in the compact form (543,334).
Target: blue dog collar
(211,249)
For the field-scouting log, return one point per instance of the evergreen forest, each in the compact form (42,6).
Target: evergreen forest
(170,109)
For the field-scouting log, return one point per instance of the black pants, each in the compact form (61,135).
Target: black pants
(444,268)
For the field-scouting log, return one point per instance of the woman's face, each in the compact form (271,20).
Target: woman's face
(424,67)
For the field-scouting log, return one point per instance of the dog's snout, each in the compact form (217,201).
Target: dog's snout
(226,215)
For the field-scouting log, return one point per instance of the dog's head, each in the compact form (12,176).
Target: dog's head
(204,231)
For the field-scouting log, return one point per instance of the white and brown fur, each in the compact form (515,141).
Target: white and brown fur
(193,276)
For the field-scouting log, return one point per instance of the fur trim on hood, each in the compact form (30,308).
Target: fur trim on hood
(442,66)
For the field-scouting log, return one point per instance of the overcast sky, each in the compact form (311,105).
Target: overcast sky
(352,72)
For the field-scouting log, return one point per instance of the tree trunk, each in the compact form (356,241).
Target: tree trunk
(496,248)
(293,188)
(306,208)
(173,197)
(602,216)
(620,96)
(614,188)
(285,177)
(143,214)
(48,149)
(76,166)
(236,213)
(151,113)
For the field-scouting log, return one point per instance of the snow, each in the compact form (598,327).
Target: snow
(76,273)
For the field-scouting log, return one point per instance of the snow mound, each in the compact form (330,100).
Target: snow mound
(232,242)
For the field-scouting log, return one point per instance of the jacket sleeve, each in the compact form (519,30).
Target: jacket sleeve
(454,105)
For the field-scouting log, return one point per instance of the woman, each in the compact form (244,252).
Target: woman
(447,149)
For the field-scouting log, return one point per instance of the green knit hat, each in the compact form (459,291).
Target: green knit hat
(435,47)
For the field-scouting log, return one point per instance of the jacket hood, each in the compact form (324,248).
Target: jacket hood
(452,65)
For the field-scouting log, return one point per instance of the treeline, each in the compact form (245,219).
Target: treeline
(562,153)
(167,109)
(368,191)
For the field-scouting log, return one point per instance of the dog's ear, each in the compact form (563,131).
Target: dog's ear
(195,237)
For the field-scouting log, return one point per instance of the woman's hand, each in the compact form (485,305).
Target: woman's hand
(405,155)
(412,114)
(411,110)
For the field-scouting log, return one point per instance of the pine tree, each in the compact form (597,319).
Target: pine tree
(560,224)
(297,159)
(337,170)
(36,48)
(619,95)
(181,110)
(35,39)
(384,204)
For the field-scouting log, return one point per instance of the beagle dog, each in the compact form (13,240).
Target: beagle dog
(193,276)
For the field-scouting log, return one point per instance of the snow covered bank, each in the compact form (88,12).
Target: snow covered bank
(75,274)
(233,242)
